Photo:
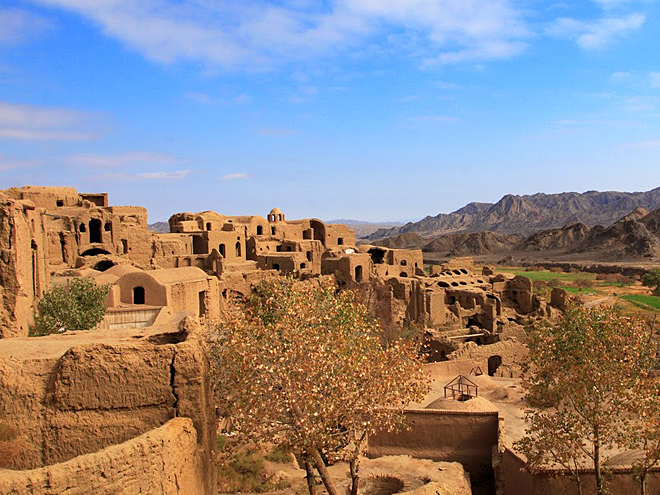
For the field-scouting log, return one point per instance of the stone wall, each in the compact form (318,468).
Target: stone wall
(164,460)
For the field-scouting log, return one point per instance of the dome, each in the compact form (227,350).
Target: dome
(275,211)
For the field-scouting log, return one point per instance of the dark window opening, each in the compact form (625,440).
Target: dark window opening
(108,227)
(279,217)
(272,230)
(454,284)
(260,230)
(238,249)
(456,272)
(288,248)
(377,255)
(302,265)
(95,230)
(403,274)
(358,273)
(276,266)
(82,228)
(202,303)
(307,234)
(124,246)
(200,246)
(404,262)
(138,295)
(494,362)
(94,252)
(221,250)
(443,284)
(208,225)
(103,265)
(59,202)
(63,247)
(309,256)
(473,322)
(340,241)
(451,300)
(278,248)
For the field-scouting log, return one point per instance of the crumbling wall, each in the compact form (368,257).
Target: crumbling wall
(163,460)
(23,264)
(74,394)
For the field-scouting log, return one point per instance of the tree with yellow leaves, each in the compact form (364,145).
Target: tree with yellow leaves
(303,366)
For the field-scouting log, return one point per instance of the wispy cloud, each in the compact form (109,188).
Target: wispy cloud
(257,35)
(33,123)
(432,118)
(235,176)
(159,175)
(595,35)
(134,158)
(7,163)
(18,26)
(654,143)
(276,131)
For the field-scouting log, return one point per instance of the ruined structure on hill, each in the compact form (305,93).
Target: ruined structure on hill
(208,258)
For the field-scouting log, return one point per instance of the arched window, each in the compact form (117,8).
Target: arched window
(95,230)
(260,230)
(208,225)
(238,249)
(404,262)
(221,250)
(138,295)
(340,241)
(358,273)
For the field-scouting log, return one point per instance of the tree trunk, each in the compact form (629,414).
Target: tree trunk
(311,479)
(323,471)
(642,483)
(597,473)
(355,478)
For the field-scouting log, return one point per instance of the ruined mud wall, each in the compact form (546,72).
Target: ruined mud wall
(552,481)
(468,437)
(70,395)
(163,460)
(23,264)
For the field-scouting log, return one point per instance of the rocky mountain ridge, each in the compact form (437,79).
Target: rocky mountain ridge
(525,215)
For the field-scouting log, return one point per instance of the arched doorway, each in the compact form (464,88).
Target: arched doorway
(95,230)
(138,295)
(358,273)
(494,362)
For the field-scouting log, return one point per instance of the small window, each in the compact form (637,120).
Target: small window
(404,262)
(59,202)
(260,230)
(276,266)
(309,256)
(340,241)
(82,228)
(208,225)
(238,249)
(302,265)
(278,248)
(138,295)
(272,230)
(403,274)
(108,227)
(221,250)
(288,248)
(124,246)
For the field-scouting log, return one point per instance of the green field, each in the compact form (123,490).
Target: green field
(575,290)
(652,301)
(535,276)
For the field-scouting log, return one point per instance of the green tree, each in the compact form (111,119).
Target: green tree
(304,367)
(580,378)
(77,305)
(652,279)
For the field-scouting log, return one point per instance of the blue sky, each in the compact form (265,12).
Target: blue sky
(367,109)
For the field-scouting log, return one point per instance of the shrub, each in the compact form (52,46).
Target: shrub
(78,305)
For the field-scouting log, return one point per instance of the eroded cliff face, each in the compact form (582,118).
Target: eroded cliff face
(79,393)
(23,271)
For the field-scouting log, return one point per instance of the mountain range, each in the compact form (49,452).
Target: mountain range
(524,215)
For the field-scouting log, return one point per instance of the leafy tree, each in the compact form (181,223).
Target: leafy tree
(584,283)
(77,305)
(580,379)
(652,279)
(305,367)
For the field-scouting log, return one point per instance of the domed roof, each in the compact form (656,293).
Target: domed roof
(275,211)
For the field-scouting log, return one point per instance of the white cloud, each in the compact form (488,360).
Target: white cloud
(160,175)
(18,26)
(7,163)
(133,158)
(256,35)
(655,143)
(174,175)
(654,79)
(276,132)
(236,176)
(33,123)
(596,35)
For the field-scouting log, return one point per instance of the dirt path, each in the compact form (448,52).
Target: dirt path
(597,302)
